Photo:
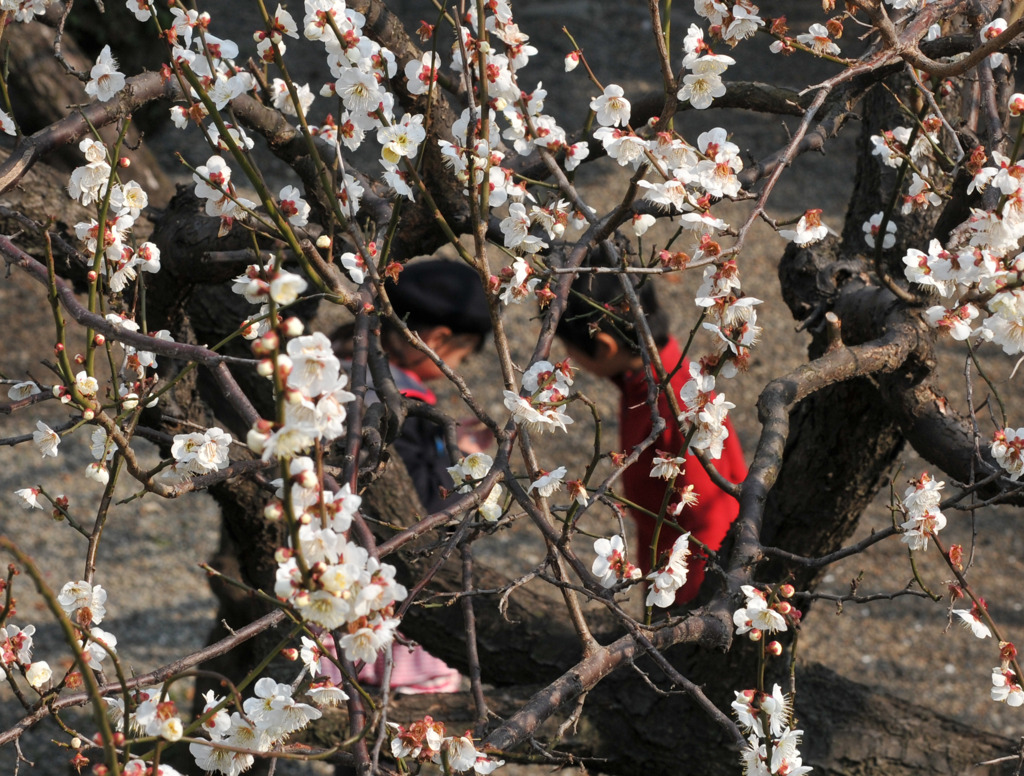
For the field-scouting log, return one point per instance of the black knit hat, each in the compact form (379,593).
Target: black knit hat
(441,293)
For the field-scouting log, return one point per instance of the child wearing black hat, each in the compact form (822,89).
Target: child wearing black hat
(445,304)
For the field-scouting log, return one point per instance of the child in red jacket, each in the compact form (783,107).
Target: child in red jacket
(597,331)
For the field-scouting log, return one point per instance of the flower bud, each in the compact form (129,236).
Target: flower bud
(98,339)
(787,590)
(129,401)
(290,653)
(79,359)
(124,162)
(284,366)
(100,769)
(274,511)
(98,473)
(266,344)
(306,479)
(282,555)
(88,415)
(119,738)
(293,395)
(783,607)
(323,242)
(265,368)
(754,634)
(76,743)
(1007,651)
(292,327)
(256,440)
(773,648)
(58,348)
(572,60)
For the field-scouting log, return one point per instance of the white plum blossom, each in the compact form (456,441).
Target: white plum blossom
(809,229)
(197,454)
(293,206)
(667,466)
(611,108)
(818,40)
(671,576)
(46,440)
(38,674)
(97,472)
(1005,327)
(956,321)
(401,139)
(757,615)
(22,390)
(921,508)
(991,30)
(469,469)
(1006,688)
(1008,450)
(703,84)
(421,73)
(16,644)
(283,99)
(275,712)
(104,79)
(610,566)
(971,619)
(28,498)
(548,482)
(82,602)
(871,228)
(98,646)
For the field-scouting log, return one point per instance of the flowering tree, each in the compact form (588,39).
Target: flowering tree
(192,328)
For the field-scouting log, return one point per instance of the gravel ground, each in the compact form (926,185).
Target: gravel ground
(159,606)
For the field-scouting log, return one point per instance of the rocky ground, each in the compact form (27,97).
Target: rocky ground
(159,605)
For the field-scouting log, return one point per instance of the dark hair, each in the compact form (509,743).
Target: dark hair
(597,303)
(441,293)
(431,293)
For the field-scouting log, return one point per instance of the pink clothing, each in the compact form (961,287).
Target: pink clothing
(416,671)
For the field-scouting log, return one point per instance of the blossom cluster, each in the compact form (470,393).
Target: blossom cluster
(670,576)
(196,454)
(977,275)
(331,581)
(1008,450)
(921,508)
(546,389)
(1006,685)
(775,750)
(761,615)
(16,651)
(314,389)
(471,469)
(610,566)
(425,741)
(95,183)
(270,716)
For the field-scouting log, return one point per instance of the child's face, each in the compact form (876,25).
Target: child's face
(608,361)
(453,349)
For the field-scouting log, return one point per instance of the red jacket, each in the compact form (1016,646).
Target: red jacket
(708,520)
